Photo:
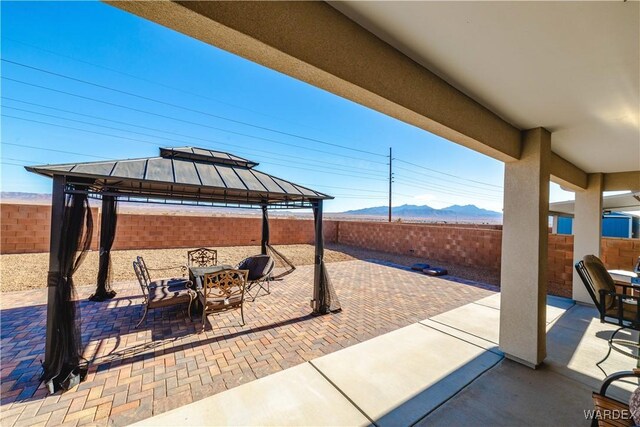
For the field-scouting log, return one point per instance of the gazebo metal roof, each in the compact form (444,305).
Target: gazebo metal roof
(186,175)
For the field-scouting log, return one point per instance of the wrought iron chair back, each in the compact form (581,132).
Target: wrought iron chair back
(202,257)
(147,276)
(225,284)
(223,290)
(162,296)
(142,279)
(144,269)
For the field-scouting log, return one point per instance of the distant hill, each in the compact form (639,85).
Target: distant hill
(454,213)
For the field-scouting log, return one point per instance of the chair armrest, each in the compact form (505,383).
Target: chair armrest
(615,377)
(615,295)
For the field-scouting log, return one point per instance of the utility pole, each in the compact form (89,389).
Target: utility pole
(390,181)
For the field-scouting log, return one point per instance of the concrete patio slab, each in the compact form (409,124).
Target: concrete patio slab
(527,398)
(556,306)
(299,396)
(578,340)
(464,336)
(399,377)
(475,319)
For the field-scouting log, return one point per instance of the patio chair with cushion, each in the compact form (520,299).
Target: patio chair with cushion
(162,296)
(223,290)
(168,281)
(260,268)
(615,308)
(202,257)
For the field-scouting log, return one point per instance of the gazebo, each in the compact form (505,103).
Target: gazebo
(183,175)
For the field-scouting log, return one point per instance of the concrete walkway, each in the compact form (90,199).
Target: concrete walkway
(444,370)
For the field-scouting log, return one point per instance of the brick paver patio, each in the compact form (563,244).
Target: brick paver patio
(137,373)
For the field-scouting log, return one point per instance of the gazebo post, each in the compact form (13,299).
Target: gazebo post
(318,288)
(57,216)
(265,230)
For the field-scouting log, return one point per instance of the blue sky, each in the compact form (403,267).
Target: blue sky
(104,46)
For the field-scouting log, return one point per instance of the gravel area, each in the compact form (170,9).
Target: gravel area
(29,271)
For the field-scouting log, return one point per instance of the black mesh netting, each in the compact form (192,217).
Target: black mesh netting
(108,223)
(62,368)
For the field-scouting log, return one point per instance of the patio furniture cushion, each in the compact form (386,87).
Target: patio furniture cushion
(170,282)
(435,271)
(162,296)
(634,405)
(601,278)
(219,303)
(420,266)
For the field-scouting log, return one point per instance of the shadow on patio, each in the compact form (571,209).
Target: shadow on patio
(137,373)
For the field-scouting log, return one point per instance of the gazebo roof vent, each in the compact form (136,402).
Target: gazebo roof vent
(205,156)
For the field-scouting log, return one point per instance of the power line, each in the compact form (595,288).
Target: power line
(450,193)
(448,174)
(13,164)
(82,130)
(187,121)
(113,70)
(446,190)
(192,110)
(19,160)
(347,188)
(367,170)
(53,150)
(160,137)
(448,180)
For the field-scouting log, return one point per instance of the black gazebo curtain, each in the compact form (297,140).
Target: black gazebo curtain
(62,368)
(325,296)
(108,223)
(265,230)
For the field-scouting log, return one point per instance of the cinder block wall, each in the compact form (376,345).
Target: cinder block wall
(170,231)
(25,229)
(461,245)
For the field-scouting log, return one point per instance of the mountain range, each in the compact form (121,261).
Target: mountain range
(454,213)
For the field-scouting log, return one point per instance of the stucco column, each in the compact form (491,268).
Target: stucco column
(554,224)
(587,229)
(525,235)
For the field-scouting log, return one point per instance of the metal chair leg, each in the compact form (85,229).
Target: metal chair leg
(146,308)
(190,302)
(242,313)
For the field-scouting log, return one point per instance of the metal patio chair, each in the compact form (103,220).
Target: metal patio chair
(260,268)
(202,257)
(223,291)
(162,296)
(615,308)
(168,281)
